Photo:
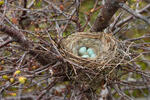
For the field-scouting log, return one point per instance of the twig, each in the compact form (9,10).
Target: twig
(6,42)
(48,88)
(139,38)
(134,13)
(122,22)
(122,93)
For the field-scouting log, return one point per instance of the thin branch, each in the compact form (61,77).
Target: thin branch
(6,42)
(134,13)
(129,18)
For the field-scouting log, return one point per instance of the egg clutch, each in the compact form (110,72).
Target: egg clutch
(85,52)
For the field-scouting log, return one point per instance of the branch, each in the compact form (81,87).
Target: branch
(109,9)
(134,13)
(23,16)
(6,42)
(122,22)
(148,1)
(26,97)
(16,35)
(43,57)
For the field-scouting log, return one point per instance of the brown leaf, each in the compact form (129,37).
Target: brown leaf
(61,7)
(14,20)
(1,68)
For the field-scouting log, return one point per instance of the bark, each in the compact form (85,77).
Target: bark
(16,35)
(148,1)
(44,57)
(109,9)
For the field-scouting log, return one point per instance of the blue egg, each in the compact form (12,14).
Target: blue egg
(85,56)
(82,50)
(93,55)
(90,51)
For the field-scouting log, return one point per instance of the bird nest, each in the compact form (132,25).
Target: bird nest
(92,70)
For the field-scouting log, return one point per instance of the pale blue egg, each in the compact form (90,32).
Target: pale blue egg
(82,50)
(90,51)
(93,55)
(85,56)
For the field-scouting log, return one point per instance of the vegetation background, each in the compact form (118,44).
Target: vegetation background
(31,30)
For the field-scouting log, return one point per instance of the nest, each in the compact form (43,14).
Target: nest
(92,71)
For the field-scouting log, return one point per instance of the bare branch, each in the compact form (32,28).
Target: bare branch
(134,13)
(16,35)
(122,22)
(6,42)
(109,9)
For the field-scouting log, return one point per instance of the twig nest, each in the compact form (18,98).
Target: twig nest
(94,48)
(97,54)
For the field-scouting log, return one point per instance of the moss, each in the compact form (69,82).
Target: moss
(143,65)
